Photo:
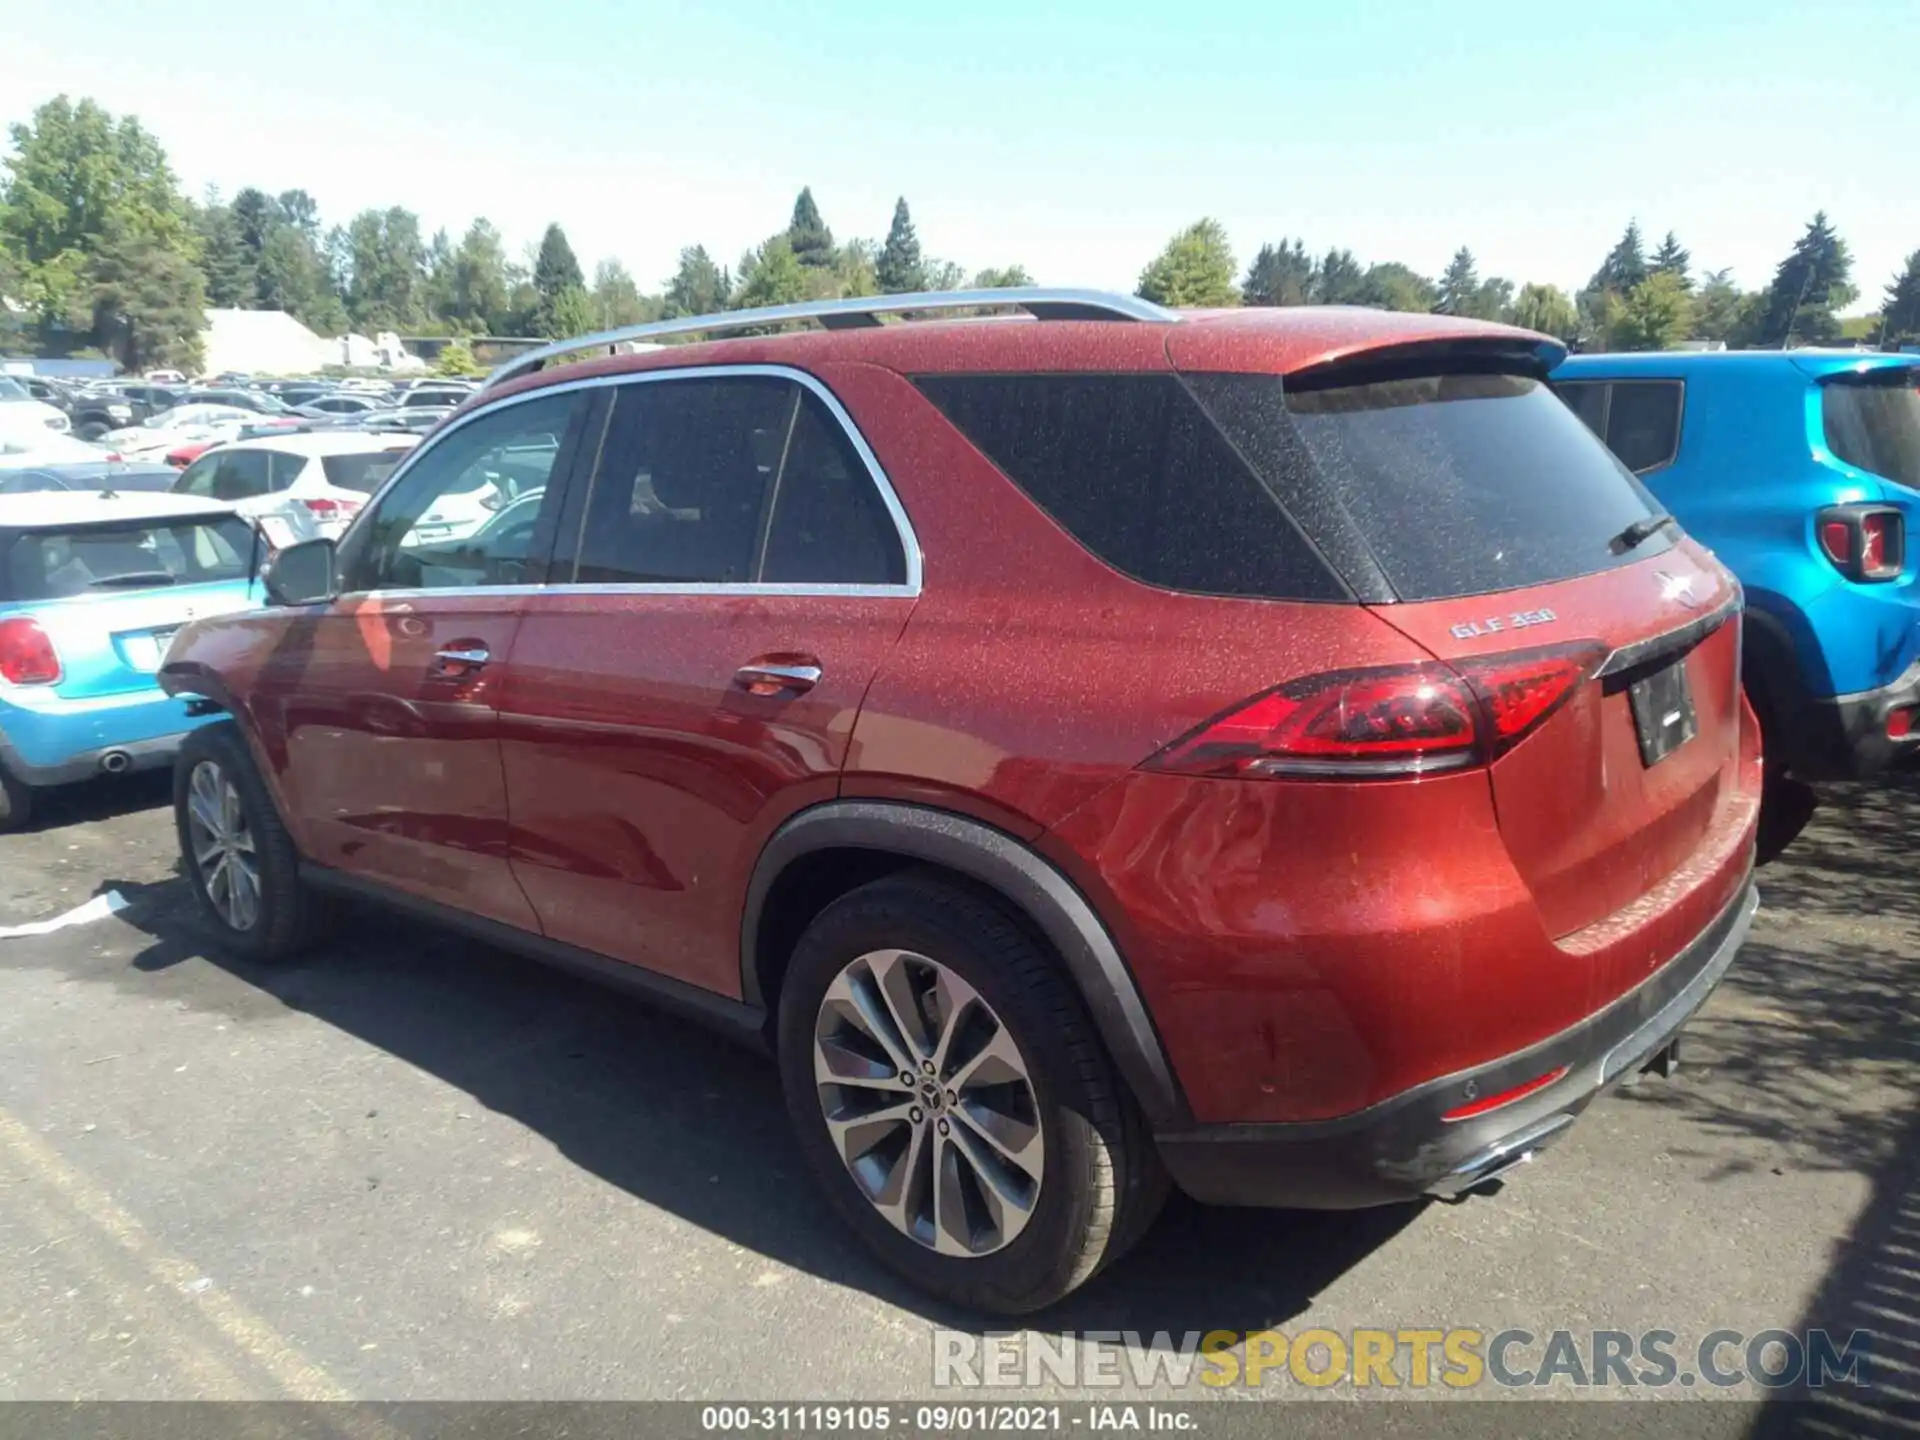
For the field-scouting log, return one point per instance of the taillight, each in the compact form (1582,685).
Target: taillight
(27,656)
(332,509)
(1864,542)
(1394,721)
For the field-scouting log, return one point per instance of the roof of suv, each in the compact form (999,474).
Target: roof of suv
(1273,340)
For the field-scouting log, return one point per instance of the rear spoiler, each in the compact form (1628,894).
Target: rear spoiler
(1517,354)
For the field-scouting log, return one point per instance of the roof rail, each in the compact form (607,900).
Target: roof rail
(853,313)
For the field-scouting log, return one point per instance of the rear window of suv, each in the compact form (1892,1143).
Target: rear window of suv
(90,560)
(1872,422)
(1455,484)
(365,472)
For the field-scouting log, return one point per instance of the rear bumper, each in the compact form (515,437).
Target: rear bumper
(49,741)
(1402,1148)
(1845,738)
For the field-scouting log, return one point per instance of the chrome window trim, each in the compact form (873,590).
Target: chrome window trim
(902,524)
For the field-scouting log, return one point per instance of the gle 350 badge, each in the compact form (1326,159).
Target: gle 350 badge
(1497,624)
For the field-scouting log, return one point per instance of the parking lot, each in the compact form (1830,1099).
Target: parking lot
(413,1167)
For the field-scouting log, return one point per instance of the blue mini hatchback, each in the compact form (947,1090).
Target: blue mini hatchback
(1801,469)
(92,587)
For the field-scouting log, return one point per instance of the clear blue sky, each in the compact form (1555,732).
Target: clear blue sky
(1073,138)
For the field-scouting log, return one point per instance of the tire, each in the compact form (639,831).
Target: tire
(286,916)
(16,802)
(1099,1179)
(92,430)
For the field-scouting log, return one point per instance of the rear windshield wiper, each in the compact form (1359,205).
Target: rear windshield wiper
(132,579)
(1639,532)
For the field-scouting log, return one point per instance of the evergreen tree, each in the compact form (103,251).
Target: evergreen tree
(1814,281)
(1196,269)
(1655,315)
(617,301)
(224,260)
(570,314)
(1625,265)
(479,298)
(1390,285)
(1671,259)
(1900,319)
(770,275)
(1280,274)
(1459,285)
(148,299)
(555,272)
(807,235)
(1340,281)
(1717,307)
(698,287)
(900,269)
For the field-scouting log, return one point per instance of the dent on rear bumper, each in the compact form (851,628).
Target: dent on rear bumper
(1404,1148)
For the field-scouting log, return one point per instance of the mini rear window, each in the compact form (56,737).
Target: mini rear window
(364,473)
(1458,483)
(1873,422)
(95,559)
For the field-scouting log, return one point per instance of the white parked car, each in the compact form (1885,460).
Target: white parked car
(21,414)
(23,450)
(182,425)
(299,485)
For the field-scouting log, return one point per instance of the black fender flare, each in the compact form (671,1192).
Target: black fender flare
(1021,877)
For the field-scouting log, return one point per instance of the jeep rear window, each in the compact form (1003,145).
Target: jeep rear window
(92,559)
(1131,468)
(1454,484)
(1873,422)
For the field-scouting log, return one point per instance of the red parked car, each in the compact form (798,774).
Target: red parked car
(1280,750)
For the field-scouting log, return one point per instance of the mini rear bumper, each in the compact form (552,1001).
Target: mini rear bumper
(48,741)
(1403,1148)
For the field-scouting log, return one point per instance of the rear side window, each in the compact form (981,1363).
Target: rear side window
(829,525)
(1457,484)
(1132,468)
(90,560)
(1588,400)
(362,473)
(1643,423)
(1873,422)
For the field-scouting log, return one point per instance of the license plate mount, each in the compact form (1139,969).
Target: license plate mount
(1663,715)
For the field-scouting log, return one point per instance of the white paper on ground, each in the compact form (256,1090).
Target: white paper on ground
(98,908)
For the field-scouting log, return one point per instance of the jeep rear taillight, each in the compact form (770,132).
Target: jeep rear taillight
(27,656)
(1864,542)
(1387,723)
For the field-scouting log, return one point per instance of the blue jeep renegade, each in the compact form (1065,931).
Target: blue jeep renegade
(1801,469)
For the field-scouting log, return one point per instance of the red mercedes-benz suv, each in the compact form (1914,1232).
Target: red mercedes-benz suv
(1280,751)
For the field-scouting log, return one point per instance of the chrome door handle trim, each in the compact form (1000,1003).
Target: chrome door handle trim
(786,677)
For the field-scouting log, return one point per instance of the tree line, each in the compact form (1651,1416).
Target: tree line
(101,251)
(1635,300)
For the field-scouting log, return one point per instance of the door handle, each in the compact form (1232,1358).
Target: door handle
(460,659)
(761,678)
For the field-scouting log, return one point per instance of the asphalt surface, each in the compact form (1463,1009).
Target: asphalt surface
(414,1168)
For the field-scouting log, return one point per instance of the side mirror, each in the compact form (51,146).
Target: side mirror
(301,574)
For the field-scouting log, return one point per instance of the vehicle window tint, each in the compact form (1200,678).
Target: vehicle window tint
(367,473)
(830,526)
(242,475)
(683,476)
(197,478)
(439,526)
(1457,484)
(1588,400)
(1130,467)
(283,469)
(52,565)
(22,482)
(1872,422)
(1643,423)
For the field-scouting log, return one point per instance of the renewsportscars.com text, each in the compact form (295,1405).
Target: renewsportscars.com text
(1409,1358)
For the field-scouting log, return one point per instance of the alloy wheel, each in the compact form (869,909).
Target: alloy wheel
(223,848)
(929,1102)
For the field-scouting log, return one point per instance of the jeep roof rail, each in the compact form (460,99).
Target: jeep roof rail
(855,312)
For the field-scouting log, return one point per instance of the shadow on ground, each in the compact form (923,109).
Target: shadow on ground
(694,1125)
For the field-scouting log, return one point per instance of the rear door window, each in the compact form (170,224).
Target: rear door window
(1132,468)
(829,525)
(1643,423)
(1588,400)
(368,472)
(1872,422)
(1456,483)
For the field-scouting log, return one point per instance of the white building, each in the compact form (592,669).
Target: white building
(264,342)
